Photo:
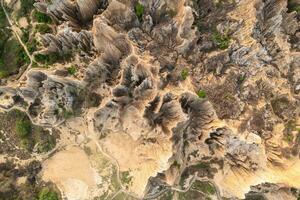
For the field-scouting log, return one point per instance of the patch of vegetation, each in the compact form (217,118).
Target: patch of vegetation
(184,74)
(23,133)
(123,196)
(294,5)
(26,7)
(205,187)
(47,194)
(191,195)
(176,164)
(222,41)
(41,17)
(139,11)
(72,70)
(290,127)
(167,195)
(52,58)
(126,178)
(281,105)
(12,56)
(43,28)
(201,94)
(201,165)
(32,45)
(31,189)
(3,20)
(23,128)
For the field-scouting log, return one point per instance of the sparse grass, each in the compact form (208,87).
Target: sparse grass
(184,74)
(43,28)
(222,41)
(205,187)
(66,114)
(139,11)
(167,195)
(201,94)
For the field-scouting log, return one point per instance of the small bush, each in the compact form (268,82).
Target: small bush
(72,70)
(23,128)
(139,11)
(201,94)
(46,194)
(222,41)
(184,74)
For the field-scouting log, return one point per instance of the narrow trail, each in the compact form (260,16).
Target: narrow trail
(12,24)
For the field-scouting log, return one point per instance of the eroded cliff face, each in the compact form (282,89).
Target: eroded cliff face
(172,92)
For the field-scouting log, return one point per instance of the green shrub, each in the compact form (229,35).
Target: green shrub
(184,74)
(72,70)
(43,28)
(23,128)
(41,17)
(139,11)
(201,94)
(46,194)
(222,41)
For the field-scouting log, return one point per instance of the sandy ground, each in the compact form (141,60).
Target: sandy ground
(23,22)
(71,171)
(142,161)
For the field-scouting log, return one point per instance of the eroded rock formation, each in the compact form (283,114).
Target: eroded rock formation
(185,90)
